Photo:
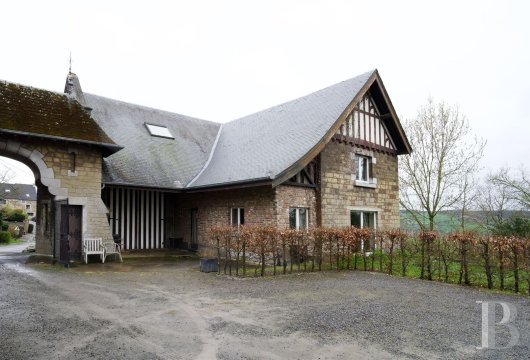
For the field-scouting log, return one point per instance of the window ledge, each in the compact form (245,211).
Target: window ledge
(372,184)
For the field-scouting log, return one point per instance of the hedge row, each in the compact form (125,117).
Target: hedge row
(465,257)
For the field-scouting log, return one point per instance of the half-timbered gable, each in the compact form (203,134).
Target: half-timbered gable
(365,127)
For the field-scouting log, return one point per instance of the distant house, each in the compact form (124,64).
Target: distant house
(160,179)
(19,196)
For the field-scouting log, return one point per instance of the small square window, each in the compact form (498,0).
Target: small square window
(3,202)
(159,130)
(28,206)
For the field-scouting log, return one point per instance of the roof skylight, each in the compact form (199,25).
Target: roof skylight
(159,130)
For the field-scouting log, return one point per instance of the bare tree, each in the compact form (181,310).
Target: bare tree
(518,188)
(444,155)
(493,203)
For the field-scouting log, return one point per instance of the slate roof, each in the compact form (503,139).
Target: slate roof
(146,160)
(18,192)
(35,112)
(262,145)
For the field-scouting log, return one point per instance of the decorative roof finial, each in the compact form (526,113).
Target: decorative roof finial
(70,67)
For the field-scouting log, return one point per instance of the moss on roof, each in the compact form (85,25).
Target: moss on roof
(41,112)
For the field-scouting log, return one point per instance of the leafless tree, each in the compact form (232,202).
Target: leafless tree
(493,202)
(444,154)
(517,187)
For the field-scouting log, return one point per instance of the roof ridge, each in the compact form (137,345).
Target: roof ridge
(151,108)
(301,97)
(6,82)
(214,146)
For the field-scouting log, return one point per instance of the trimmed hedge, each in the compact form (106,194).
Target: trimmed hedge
(5,237)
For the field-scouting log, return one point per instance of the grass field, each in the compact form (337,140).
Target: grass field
(477,275)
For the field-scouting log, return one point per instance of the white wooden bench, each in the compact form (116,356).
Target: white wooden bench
(93,246)
(112,248)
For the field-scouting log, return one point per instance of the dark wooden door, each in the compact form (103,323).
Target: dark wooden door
(75,231)
(61,231)
(194,229)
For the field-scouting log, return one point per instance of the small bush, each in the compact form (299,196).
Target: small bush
(17,215)
(30,228)
(5,226)
(5,237)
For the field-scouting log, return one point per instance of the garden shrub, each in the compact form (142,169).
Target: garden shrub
(17,215)
(5,226)
(5,237)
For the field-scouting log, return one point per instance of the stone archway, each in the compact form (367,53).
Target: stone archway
(66,173)
(34,159)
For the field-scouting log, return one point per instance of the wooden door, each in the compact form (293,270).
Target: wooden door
(75,231)
(61,231)
(194,229)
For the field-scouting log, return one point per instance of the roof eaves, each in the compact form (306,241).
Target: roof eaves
(112,148)
(395,118)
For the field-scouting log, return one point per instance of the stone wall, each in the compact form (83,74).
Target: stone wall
(340,195)
(263,206)
(21,204)
(53,166)
(294,196)
(214,209)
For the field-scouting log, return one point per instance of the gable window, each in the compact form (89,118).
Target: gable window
(237,216)
(364,173)
(298,218)
(159,131)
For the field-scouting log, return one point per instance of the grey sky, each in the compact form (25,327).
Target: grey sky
(220,60)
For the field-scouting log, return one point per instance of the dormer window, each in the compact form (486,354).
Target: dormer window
(159,131)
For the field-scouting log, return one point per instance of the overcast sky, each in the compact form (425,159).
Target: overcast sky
(219,60)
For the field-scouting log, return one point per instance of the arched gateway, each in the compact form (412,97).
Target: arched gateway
(54,135)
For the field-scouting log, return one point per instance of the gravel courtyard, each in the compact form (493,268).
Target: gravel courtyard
(167,309)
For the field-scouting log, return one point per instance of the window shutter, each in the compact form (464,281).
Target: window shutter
(356,168)
(370,170)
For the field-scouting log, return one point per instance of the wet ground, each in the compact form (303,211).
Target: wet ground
(162,307)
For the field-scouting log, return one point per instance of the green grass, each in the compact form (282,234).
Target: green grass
(12,241)
(445,222)
(477,274)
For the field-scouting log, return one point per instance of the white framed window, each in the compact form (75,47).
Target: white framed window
(298,218)
(364,173)
(363,168)
(159,130)
(364,219)
(237,216)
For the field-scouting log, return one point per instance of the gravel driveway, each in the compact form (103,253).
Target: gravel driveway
(164,309)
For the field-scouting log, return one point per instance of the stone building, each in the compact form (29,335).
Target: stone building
(19,196)
(160,179)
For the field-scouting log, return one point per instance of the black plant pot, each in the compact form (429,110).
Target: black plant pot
(209,265)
